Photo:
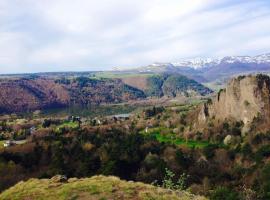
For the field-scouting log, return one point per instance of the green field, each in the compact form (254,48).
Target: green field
(71,125)
(170,138)
(173,139)
(119,75)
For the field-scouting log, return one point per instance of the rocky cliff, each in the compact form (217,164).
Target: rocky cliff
(245,99)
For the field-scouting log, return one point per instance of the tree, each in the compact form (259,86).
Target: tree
(209,151)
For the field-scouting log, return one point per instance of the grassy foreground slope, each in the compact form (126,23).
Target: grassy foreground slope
(95,188)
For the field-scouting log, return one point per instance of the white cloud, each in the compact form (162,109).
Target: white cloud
(38,35)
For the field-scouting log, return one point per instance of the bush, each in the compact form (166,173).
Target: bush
(224,193)
(169,183)
(182,159)
(151,112)
(262,183)
(263,151)
(209,151)
(236,129)
(226,126)
(246,149)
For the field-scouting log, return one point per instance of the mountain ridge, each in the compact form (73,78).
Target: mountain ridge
(206,70)
(210,62)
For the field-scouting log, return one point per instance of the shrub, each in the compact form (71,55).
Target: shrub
(150,112)
(209,101)
(266,182)
(224,193)
(209,151)
(219,92)
(169,183)
(226,126)
(182,159)
(246,103)
(246,149)
(263,151)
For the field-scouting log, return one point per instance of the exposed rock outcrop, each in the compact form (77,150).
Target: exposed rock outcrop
(244,99)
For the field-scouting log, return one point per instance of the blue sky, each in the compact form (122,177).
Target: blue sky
(68,35)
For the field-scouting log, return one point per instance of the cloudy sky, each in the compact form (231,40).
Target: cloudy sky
(69,35)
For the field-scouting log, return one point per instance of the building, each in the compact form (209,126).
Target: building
(32,130)
(8,143)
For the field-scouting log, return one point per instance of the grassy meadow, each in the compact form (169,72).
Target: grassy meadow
(165,135)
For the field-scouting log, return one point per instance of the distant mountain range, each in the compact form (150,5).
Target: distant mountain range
(209,69)
(198,63)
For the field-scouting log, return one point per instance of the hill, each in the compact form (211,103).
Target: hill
(97,187)
(35,93)
(28,94)
(168,84)
(177,84)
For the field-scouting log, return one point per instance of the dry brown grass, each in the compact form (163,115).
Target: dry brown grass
(139,82)
(95,188)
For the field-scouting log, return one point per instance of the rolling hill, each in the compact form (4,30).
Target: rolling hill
(35,93)
(23,94)
(168,84)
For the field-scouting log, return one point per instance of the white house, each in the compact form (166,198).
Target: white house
(8,143)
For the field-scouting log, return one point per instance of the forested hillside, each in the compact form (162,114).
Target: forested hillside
(172,85)
(35,93)
(29,94)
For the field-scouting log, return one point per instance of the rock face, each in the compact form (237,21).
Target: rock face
(245,98)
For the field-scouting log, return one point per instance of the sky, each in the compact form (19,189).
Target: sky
(86,35)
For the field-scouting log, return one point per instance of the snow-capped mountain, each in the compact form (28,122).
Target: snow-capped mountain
(158,67)
(211,69)
(198,63)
